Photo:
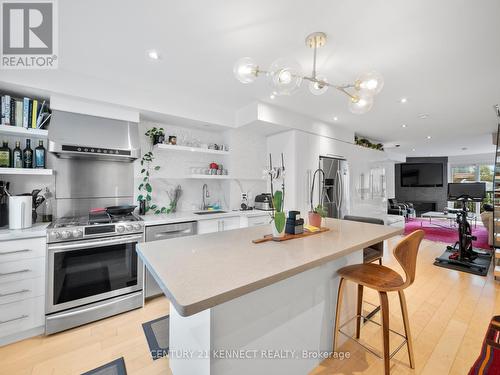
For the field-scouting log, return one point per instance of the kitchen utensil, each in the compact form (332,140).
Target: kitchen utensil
(120,210)
(20,211)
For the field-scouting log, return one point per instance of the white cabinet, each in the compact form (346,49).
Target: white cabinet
(22,288)
(218,225)
(254,221)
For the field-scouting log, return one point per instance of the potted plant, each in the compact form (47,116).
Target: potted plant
(279,216)
(157,135)
(319,212)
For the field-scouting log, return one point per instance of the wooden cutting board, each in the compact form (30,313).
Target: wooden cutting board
(286,237)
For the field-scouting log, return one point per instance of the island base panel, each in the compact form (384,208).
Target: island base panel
(280,329)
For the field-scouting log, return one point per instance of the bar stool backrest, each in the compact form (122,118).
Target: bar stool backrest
(406,254)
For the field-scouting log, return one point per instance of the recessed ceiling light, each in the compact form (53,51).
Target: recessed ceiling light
(414,149)
(272,96)
(429,137)
(403,100)
(335,118)
(403,126)
(153,54)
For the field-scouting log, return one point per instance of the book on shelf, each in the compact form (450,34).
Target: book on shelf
(34,113)
(24,112)
(19,113)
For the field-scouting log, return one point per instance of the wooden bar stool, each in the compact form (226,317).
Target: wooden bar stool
(383,280)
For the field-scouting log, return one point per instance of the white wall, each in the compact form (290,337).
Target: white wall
(302,151)
(246,160)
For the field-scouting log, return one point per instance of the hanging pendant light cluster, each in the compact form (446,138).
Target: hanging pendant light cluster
(285,78)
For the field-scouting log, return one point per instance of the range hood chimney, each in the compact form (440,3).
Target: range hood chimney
(73,135)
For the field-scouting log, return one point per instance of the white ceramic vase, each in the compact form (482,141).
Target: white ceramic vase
(277,234)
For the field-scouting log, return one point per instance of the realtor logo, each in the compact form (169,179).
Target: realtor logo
(29,38)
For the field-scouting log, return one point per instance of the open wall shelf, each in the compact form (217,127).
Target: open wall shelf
(17,131)
(175,148)
(26,171)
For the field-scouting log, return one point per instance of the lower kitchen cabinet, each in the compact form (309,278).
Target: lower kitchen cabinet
(254,221)
(22,289)
(218,225)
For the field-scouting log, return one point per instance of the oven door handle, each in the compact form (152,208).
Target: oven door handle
(94,243)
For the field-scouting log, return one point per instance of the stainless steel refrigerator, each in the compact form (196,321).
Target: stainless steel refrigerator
(335,190)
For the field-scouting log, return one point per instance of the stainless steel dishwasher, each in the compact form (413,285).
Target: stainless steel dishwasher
(164,232)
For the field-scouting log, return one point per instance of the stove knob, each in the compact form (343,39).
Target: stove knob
(120,228)
(66,234)
(57,235)
(129,227)
(137,227)
(77,233)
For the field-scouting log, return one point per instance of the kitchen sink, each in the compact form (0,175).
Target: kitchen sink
(210,212)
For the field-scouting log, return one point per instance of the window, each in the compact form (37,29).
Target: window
(475,173)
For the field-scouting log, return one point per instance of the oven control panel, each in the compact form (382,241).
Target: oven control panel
(93,231)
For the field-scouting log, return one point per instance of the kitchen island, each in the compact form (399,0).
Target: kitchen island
(244,308)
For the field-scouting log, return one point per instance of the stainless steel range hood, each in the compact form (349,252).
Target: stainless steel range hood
(73,135)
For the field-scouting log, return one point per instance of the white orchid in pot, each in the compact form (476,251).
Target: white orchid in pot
(278,221)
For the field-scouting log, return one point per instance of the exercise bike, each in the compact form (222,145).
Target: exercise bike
(463,254)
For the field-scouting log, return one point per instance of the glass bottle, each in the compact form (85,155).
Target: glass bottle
(48,206)
(5,155)
(17,156)
(28,155)
(40,155)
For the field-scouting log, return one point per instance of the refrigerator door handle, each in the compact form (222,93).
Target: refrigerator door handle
(338,190)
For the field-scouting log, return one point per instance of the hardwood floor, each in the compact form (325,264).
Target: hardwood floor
(449,312)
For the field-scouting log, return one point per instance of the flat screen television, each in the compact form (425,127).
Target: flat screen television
(422,175)
(471,190)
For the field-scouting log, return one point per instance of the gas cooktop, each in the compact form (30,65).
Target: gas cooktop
(95,224)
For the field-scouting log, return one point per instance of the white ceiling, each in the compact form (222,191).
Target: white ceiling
(444,56)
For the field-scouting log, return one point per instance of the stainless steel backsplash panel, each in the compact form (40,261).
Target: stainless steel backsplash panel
(82,184)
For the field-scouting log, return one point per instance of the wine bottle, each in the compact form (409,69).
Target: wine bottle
(40,155)
(28,155)
(17,156)
(5,155)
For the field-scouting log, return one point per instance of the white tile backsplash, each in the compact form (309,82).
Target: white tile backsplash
(246,160)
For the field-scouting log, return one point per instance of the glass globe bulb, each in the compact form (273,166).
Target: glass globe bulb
(318,88)
(361,103)
(245,70)
(371,82)
(284,77)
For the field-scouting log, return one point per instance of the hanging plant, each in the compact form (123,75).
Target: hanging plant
(157,135)
(145,188)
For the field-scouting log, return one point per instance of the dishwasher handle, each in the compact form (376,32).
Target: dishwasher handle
(166,231)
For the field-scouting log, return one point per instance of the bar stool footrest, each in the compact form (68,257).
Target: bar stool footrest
(370,349)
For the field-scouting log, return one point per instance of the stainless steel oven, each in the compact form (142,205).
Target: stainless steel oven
(92,278)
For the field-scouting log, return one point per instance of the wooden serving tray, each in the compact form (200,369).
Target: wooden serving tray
(286,237)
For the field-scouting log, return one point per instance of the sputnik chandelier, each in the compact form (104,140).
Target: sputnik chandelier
(285,78)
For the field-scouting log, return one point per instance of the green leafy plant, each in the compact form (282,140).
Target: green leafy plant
(145,188)
(320,210)
(155,134)
(279,215)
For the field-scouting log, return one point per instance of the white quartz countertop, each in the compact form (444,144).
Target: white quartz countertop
(203,271)
(182,216)
(37,230)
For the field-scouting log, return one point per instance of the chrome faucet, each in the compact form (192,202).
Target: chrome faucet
(204,194)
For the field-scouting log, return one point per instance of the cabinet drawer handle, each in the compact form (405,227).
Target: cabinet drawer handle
(14,319)
(17,292)
(15,252)
(14,272)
